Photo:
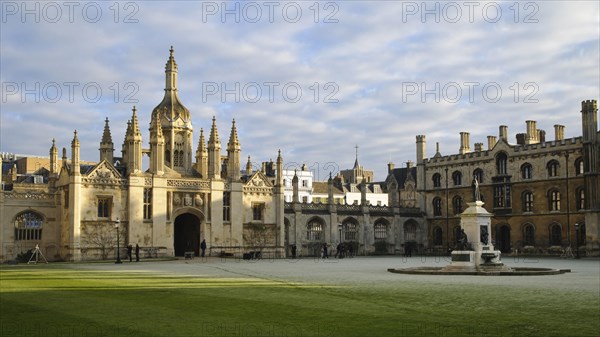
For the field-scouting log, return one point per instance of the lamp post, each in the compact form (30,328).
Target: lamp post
(118,247)
(577,241)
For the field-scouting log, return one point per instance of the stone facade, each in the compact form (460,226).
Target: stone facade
(168,209)
(543,194)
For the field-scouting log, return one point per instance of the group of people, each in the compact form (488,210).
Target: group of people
(130,251)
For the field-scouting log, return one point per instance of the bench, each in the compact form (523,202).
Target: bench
(188,255)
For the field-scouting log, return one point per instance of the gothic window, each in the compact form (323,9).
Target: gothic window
(147,204)
(437,180)
(457,233)
(104,204)
(167,156)
(502,163)
(581,232)
(555,235)
(257,211)
(580,197)
(478,173)
(380,230)
(579,168)
(28,226)
(528,235)
(349,231)
(457,204)
(314,230)
(227,206)
(457,178)
(527,171)
(554,200)
(527,201)
(437,236)
(502,196)
(437,207)
(552,168)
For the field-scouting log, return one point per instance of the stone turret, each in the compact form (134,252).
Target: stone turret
(214,152)
(233,154)
(106,145)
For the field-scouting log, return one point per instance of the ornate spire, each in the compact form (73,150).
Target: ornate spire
(234,143)
(75,141)
(106,137)
(249,166)
(135,128)
(213,138)
(201,142)
(171,106)
(356,160)
(171,72)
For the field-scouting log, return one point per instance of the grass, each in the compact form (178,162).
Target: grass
(59,300)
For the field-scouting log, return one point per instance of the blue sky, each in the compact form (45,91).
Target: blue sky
(313,79)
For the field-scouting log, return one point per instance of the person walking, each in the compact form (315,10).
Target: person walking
(203,247)
(325,251)
(137,253)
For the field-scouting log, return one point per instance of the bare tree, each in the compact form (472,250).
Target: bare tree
(258,236)
(100,236)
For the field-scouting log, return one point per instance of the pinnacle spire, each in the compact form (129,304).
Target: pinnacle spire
(135,128)
(213,138)
(106,136)
(202,142)
(356,160)
(233,138)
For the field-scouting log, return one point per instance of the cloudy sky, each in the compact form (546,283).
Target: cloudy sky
(313,79)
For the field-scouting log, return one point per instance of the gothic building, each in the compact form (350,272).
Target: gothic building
(544,194)
(74,211)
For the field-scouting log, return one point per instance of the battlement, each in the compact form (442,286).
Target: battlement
(518,149)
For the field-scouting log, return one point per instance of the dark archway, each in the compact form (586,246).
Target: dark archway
(503,239)
(187,234)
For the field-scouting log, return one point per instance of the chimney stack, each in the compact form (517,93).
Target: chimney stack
(531,137)
(503,134)
(478,147)
(559,132)
(491,142)
(464,143)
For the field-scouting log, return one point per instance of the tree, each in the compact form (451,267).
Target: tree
(100,236)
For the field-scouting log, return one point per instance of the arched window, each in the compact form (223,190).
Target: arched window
(457,204)
(580,197)
(350,231)
(554,200)
(579,168)
(528,235)
(167,156)
(28,226)
(527,171)
(555,235)
(314,230)
(527,201)
(104,204)
(457,178)
(478,173)
(552,168)
(410,231)
(437,180)
(381,230)
(437,206)
(437,236)
(502,163)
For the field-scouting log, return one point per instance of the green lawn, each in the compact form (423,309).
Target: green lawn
(60,300)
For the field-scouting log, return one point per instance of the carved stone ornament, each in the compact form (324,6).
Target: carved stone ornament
(176,200)
(198,200)
(187,200)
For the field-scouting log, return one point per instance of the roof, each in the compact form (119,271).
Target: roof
(400,174)
(321,187)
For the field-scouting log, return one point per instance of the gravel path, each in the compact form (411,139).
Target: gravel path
(368,271)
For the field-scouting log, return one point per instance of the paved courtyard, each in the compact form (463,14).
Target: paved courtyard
(368,271)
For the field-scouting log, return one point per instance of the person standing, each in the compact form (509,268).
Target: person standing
(137,253)
(129,249)
(203,247)
(293,251)
(325,251)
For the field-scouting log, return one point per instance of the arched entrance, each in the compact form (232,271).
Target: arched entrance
(187,234)
(503,239)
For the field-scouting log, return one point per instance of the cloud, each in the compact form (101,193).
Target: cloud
(364,56)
